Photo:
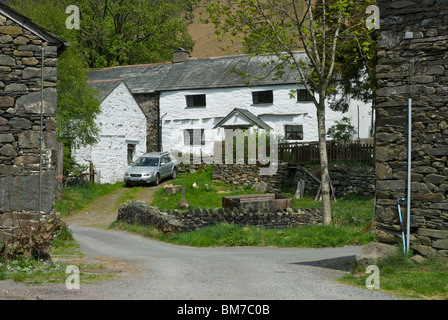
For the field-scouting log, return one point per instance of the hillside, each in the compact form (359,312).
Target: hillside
(206,43)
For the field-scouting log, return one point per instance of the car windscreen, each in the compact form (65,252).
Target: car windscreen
(147,162)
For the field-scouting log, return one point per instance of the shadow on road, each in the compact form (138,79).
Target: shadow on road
(341,263)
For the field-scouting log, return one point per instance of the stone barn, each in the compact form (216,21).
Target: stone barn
(413,64)
(22,45)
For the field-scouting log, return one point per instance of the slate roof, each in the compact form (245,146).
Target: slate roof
(222,72)
(252,118)
(28,24)
(139,78)
(201,73)
(104,87)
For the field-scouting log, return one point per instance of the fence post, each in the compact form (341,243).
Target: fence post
(91,173)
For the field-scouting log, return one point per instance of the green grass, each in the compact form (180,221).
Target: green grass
(401,276)
(351,210)
(32,272)
(208,194)
(130,194)
(76,198)
(229,235)
(64,244)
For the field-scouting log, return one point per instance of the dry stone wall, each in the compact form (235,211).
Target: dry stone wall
(346,179)
(174,221)
(414,68)
(248,174)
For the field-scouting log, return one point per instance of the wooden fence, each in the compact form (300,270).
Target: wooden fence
(299,153)
(309,152)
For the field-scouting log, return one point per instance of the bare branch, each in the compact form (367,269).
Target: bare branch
(313,39)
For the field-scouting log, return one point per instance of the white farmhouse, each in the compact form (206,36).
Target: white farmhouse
(122,132)
(199,98)
(186,105)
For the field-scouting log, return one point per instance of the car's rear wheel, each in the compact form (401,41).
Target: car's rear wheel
(174,173)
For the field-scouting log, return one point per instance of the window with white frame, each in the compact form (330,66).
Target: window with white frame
(131,152)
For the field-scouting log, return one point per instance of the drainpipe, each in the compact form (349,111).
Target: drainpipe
(159,124)
(41,131)
(160,130)
(41,140)
(358,122)
(409,174)
(372,121)
(409,36)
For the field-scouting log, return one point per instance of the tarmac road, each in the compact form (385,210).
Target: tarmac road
(165,271)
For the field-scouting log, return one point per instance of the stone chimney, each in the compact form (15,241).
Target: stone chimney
(180,55)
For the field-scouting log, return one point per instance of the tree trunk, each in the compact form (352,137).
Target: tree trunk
(325,177)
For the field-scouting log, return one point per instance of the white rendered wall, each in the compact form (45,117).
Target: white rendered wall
(220,102)
(121,121)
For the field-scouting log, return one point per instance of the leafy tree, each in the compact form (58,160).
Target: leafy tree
(331,32)
(342,131)
(77,104)
(118,32)
(111,33)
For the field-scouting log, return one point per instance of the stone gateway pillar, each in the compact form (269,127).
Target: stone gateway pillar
(21,43)
(413,63)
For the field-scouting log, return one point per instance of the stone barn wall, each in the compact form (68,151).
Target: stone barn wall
(20,100)
(416,68)
(149,103)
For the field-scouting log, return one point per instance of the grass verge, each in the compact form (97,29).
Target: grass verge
(229,235)
(401,276)
(32,272)
(76,198)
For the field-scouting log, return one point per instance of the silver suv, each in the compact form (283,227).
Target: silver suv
(151,168)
